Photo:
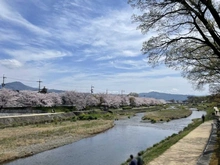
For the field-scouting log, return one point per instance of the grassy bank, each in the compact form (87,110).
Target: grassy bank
(17,142)
(167,114)
(157,149)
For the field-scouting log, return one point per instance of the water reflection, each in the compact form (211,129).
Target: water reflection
(111,147)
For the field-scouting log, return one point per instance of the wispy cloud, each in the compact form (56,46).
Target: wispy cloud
(11,63)
(112,31)
(9,14)
(33,54)
(129,64)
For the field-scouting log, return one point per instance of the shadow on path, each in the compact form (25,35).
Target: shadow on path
(205,157)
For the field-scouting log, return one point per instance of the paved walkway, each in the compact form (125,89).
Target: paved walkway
(26,115)
(187,151)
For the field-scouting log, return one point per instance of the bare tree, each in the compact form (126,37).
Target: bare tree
(185,35)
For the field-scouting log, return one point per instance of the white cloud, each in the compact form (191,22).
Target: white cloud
(11,63)
(33,54)
(105,57)
(99,43)
(129,64)
(129,53)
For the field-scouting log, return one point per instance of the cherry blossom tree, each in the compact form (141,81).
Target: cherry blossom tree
(186,36)
(113,101)
(29,98)
(92,100)
(56,99)
(141,101)
(74,98)
(125,100)
(8,98)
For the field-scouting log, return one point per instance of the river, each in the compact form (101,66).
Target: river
(111,147)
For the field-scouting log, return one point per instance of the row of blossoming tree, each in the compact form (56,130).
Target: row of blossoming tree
(10,98)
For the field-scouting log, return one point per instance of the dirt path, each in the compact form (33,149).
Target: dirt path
(188,149)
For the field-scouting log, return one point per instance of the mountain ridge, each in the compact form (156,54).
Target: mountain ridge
(165,96)
(157,95)
(18,86)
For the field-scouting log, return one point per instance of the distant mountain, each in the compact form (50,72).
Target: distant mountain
(164,96)
(20,86)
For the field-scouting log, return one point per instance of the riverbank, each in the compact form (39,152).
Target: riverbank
(17,142)
(187,150)
(23,141)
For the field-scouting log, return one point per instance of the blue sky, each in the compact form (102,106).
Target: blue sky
(73,44)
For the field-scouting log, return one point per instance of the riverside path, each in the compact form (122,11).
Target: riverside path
(187,150)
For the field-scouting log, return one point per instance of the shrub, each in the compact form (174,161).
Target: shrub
(74,118)
(153,121)
(174,134)
(87,117)
(127,107)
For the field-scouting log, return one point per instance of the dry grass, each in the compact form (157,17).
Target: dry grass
(167,114)
(22,141)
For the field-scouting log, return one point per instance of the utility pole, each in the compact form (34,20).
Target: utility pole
(106,91)
(92,89)
(39,84)
(122,92)
(3,83)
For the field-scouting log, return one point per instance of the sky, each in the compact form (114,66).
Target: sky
(75,44)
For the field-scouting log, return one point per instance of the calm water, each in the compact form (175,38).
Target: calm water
(111,147)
